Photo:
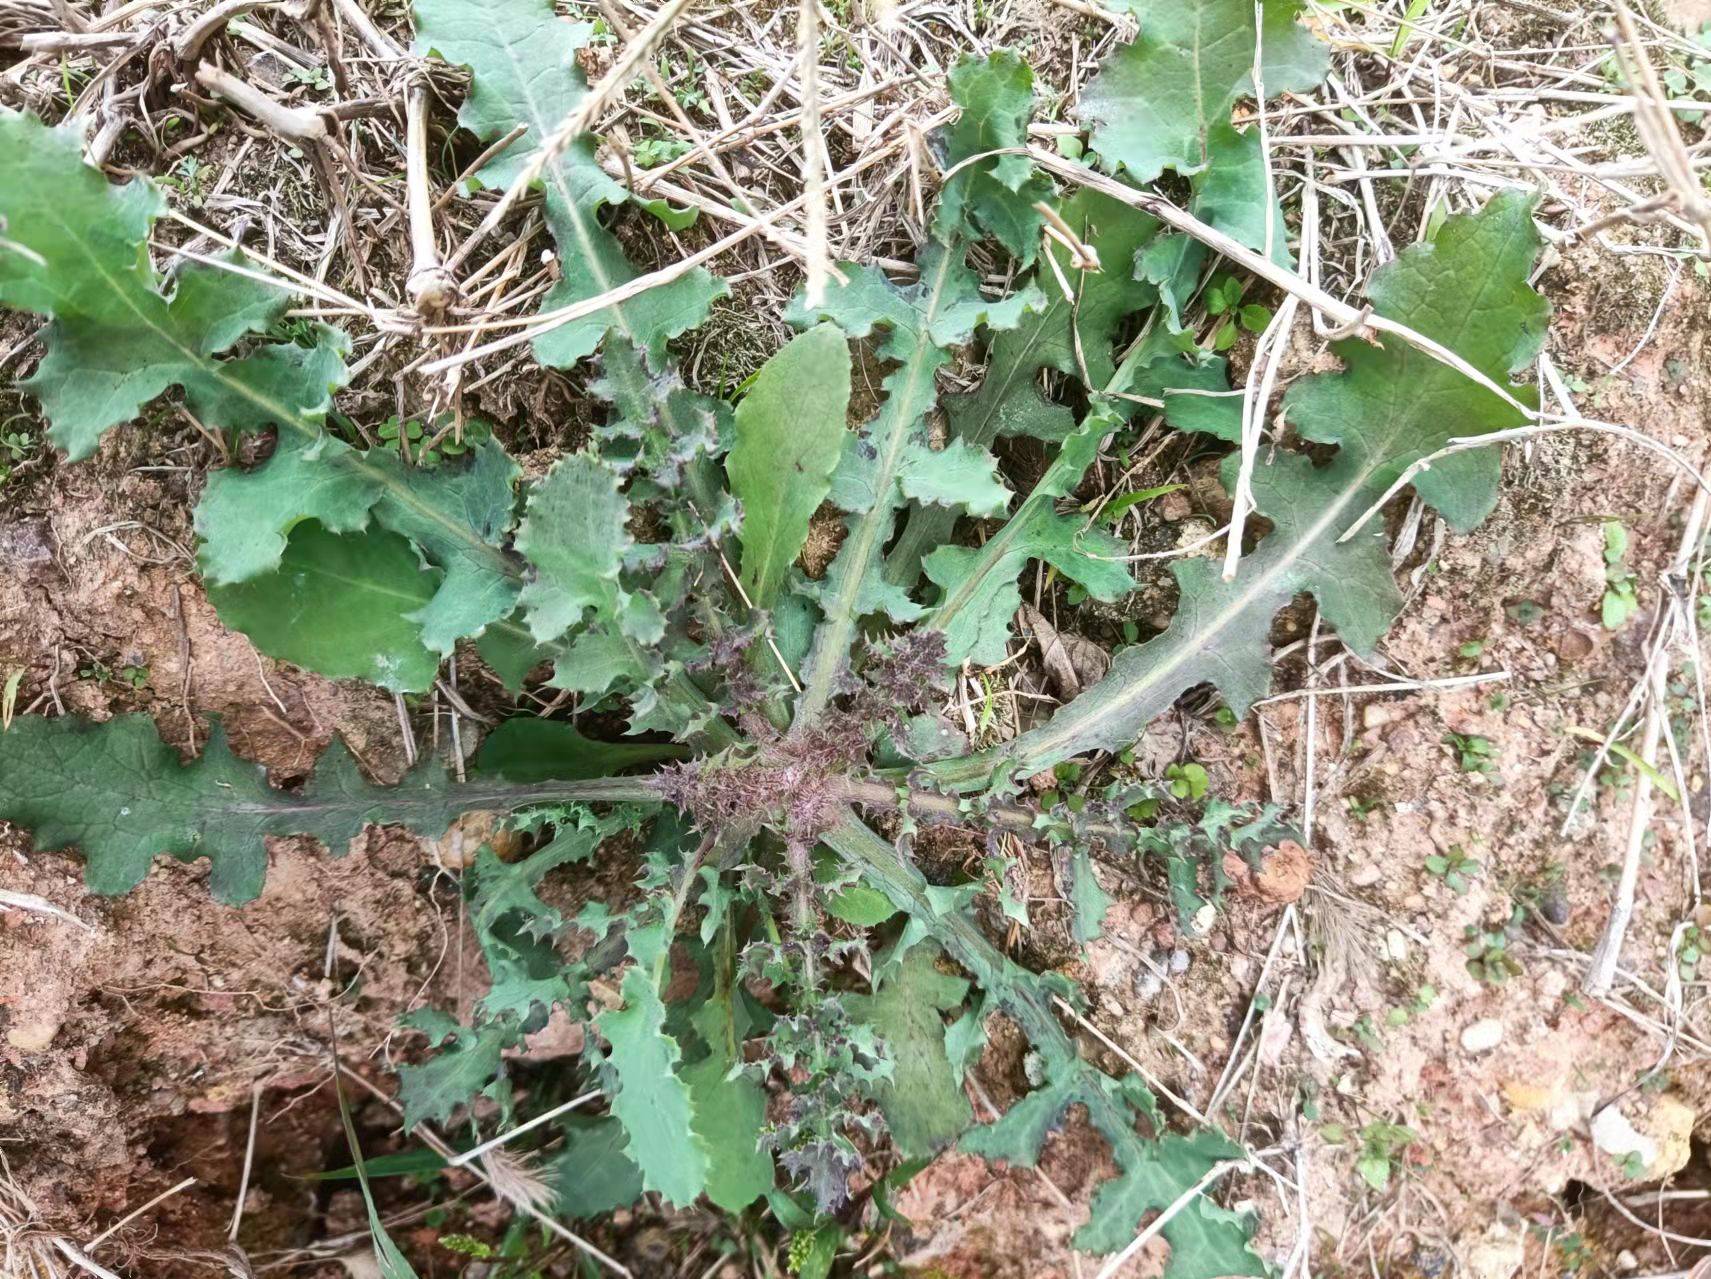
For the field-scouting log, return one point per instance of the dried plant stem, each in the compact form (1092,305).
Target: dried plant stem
(131,1216)
(813,152)
(476,1152)
(433,1141)
(431,287)
(300,124)
(383,45)
(1658,128)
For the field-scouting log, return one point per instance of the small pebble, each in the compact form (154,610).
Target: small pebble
(1482,1036)
(1179,962)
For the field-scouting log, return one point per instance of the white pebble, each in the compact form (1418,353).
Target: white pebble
(1482,1036)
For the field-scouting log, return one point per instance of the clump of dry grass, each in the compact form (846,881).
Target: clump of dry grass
(28,1249)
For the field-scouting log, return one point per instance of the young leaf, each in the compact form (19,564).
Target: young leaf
(790,433)
(508,888)
(339,605)
(1091,902)
(574,534)
(522,60)
(77,251)
(651,1101)
(1468,290)
(996,195)
(666,439)
(1155,102)
(923,1100)
(392,1262)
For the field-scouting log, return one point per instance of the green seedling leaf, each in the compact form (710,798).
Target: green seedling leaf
(790,432)
(392,1262)
(1117,509)
(1627,753)
(406,1163)
(522,60)
(378,584)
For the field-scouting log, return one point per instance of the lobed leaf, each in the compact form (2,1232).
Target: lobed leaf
(651,1100)
(76,250)
(432,1091)
(1390,406)
(1156,101)
(923,1101)
(120,794)
(522,61)
(995,195)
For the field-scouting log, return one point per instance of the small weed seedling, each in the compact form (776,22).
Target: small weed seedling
(1488,957)
(1425,995)
(1620,599)
(1455,868)
(1474,754)
(1381,1146)
(1187,781)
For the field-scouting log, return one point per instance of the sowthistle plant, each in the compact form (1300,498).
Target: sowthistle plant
(777,939)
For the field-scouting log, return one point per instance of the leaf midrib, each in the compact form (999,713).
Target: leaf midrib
(1045,744)
(866,539)
(543,129)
